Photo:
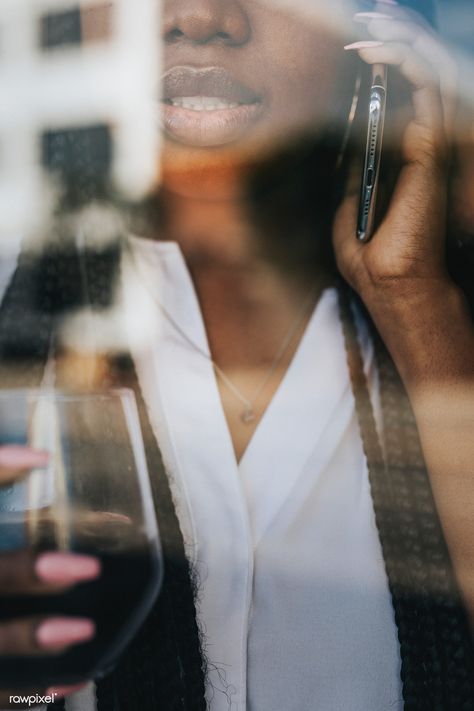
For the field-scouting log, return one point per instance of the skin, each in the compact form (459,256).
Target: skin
(294,65)
(273,52)
(400,275)
(248,305)
(22,572)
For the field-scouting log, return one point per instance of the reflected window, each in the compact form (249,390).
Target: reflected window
(77,26)
(61,28)
(80,156)
(97,22)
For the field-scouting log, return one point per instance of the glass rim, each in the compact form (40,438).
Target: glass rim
(38,393)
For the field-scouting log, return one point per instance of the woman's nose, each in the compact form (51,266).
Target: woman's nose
(206,21)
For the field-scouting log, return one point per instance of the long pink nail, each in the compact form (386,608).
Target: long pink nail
(368,16)
(66,568)
(61,691)
(16,457)
(366,44)
(63,631)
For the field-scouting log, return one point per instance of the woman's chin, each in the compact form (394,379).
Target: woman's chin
(220,170)
(205,182)
(218,173)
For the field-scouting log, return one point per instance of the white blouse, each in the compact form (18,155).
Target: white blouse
(293,596)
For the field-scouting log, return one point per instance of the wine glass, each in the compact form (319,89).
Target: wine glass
(93,498)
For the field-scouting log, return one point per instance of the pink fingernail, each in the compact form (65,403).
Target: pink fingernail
(366,44)
(16,457)
(112,516)
(387,2)
(364,16)
(61,691)
(63,631)
(66,568)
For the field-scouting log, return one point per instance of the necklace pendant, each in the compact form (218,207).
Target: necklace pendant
(248,416)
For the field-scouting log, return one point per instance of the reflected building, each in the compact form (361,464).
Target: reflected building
(79,83)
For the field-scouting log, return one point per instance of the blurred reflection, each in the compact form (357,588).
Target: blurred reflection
(79,80)
(184,179)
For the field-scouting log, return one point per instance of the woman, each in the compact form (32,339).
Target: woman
(289,584)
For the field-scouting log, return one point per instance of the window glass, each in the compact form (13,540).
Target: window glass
(61,28)
(256,218)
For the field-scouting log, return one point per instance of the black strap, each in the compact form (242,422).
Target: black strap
(436,646)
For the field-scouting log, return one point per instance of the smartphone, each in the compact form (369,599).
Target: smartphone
(373,152)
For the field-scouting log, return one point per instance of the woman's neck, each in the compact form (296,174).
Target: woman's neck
(211,231)
(224,255)
(249,306)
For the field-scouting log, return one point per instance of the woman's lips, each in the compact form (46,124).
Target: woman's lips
(207,106)
(209,127)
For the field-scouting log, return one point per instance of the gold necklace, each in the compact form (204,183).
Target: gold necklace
(248,415)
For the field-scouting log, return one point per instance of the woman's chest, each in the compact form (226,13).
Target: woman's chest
(284,544)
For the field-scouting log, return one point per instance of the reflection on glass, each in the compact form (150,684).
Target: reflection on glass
(92,498)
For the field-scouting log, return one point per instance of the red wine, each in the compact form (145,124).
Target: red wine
(118,602)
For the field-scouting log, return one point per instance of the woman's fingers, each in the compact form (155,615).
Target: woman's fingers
(426,44)
(39,636)
(426,136)
(21,572)
(346,247)
(35,636)
(416,70)
(59,692)
(16,462)
(409,243)
(49,573)
(58,568)
(417,205)
(401,38)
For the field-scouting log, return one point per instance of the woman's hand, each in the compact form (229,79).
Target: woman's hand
(23,572)
(402,278)
(406,255)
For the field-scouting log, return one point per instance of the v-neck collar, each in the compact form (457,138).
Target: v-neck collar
(225,508)
(174,292)
(297,419)
(172,289)
(188,418)
(280,446)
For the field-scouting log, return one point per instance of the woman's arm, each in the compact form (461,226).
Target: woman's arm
(430,336)
(401,276)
